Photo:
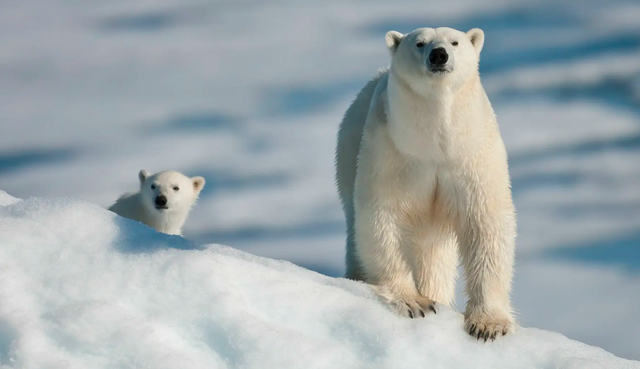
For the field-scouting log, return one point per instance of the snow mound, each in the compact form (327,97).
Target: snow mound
(6,199)
(83,288)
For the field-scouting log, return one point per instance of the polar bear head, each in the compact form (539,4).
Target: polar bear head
(429,56)
(169,191)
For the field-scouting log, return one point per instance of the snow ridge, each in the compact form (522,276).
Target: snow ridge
(81,287)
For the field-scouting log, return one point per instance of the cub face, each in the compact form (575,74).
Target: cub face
(429,56)
(169,191)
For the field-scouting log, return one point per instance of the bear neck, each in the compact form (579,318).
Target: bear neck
(422,125)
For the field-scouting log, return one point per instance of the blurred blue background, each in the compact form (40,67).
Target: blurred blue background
(249,94)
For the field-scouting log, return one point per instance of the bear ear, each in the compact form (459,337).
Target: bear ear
(143,175)
(393,39)
(476,35)
(198,184)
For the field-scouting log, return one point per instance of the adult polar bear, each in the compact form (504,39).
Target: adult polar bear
(422,175)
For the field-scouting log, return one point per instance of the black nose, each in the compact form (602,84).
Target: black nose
(438,56)
(161,200)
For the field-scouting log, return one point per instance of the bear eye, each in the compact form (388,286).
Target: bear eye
(176,188)
(454,43)
(153,187)
(420,44)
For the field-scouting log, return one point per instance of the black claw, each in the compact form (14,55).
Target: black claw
(432,309)
(422,313)
(493,336)
(478,334)
(409,310)
(486,336)
(472,330)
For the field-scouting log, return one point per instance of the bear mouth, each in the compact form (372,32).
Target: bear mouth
(439,70)
(162,207)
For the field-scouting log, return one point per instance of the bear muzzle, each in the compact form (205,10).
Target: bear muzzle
(161,202)
(438,58)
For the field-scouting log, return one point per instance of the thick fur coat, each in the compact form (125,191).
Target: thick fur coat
(423,178)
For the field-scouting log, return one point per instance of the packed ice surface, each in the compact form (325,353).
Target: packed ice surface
(83,288)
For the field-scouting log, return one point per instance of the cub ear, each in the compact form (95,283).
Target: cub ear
(393,40)
(143,175)
(476,35)
(198,184)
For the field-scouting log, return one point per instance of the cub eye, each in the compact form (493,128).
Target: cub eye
(153,187)
(454,43)
(176,188)
(420,44)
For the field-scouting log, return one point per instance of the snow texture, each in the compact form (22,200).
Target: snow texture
(81,287)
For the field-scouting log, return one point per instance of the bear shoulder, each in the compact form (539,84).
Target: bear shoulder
(128,205)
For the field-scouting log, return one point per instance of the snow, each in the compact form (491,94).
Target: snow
(83,288)
(93,91)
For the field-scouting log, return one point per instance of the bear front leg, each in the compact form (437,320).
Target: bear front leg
(385,264)
(487,241)
(380,199)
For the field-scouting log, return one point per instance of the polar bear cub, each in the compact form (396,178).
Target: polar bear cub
(163,201)
(422,175)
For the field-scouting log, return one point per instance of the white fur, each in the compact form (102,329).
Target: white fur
(422,175)
(140,205)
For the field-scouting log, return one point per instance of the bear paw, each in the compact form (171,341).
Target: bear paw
(415,306)
(487,326)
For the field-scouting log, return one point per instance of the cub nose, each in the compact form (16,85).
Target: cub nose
(161,200)
(438,56)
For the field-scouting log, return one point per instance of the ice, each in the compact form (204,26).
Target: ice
(6,199)
(91,92)
(81,287)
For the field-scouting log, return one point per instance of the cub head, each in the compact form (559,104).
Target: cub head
(169,191)
(429,56)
